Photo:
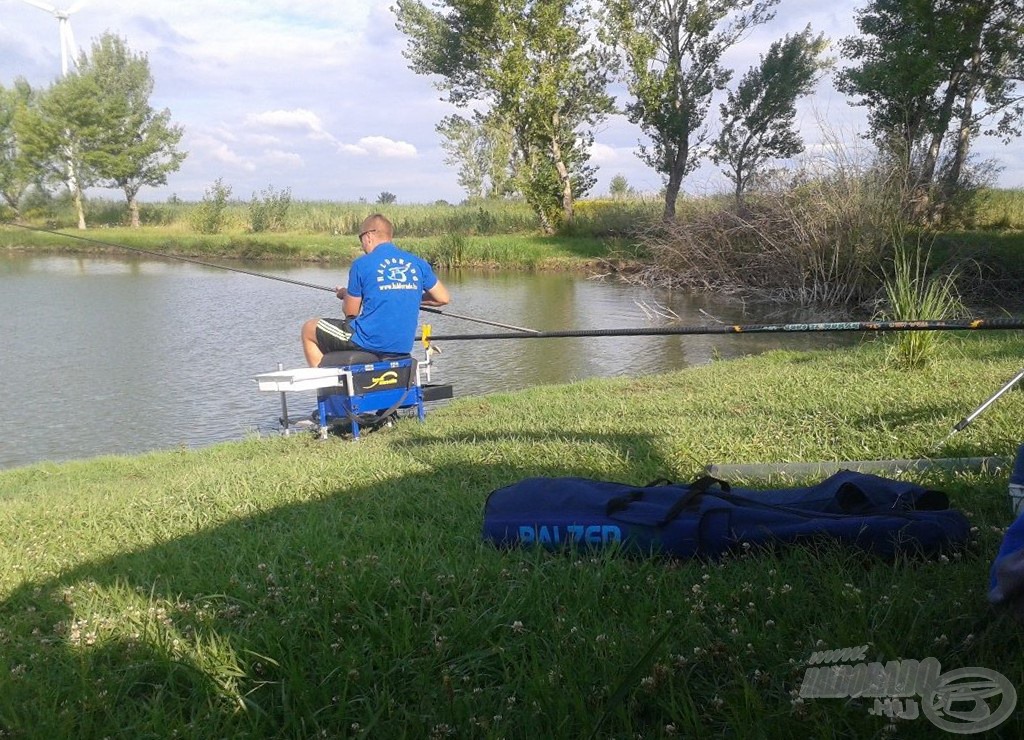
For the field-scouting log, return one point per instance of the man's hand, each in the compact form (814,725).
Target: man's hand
(340,291)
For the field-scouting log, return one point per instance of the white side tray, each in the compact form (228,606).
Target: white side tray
(301,379)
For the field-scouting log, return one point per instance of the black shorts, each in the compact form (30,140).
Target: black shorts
(335,335)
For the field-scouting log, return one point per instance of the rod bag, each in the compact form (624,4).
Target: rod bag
(708,517)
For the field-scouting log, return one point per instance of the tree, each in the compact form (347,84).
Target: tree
(385,198)
(55,133)
(15,170)
(758,117)
(481,149)
(139,145)
(673,51)
(619,188)
(530,64)
(929,69)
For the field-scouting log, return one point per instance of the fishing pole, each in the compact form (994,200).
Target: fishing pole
(194,261)
(862,326)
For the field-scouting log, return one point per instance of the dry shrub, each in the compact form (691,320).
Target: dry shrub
(812,239)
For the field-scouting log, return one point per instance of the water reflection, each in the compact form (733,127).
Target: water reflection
(106,355)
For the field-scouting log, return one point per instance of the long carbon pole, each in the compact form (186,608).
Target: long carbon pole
(194,261)
(861,326)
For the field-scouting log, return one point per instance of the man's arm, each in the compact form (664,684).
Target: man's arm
(350,305)
(435,296)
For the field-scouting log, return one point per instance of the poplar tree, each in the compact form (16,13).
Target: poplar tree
(931,70)
(673,51)
(481,150)
(56,131)
(758,118)
(531,65)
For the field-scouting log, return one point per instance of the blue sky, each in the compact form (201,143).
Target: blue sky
(316,96)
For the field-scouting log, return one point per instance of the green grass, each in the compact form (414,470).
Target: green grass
(286,587)
(1001,209)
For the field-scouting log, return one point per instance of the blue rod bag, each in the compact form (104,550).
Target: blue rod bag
(709,517)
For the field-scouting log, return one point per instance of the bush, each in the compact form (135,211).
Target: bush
(811,240)
(208,216)
(269,211)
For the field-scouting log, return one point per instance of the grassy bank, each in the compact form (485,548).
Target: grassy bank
(287,587)
(507,251)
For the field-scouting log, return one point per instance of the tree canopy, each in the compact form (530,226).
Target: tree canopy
(758,118)
(529,64)
(139,146)
(16,172)
(931,70)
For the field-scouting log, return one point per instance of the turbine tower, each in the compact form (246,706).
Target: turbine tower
(68,50)
(68,53)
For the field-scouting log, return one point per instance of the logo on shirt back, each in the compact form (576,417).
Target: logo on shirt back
(394,273)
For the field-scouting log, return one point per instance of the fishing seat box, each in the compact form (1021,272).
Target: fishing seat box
(377,385)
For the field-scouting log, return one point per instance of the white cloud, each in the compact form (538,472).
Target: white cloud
(300,119)
(602,154)
(380,146)
(224,154)
(286,159)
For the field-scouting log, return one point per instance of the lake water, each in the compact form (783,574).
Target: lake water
(124,355)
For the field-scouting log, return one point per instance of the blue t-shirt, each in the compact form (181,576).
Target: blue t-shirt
(391,283)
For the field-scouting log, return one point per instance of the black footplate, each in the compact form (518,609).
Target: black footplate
(437,392)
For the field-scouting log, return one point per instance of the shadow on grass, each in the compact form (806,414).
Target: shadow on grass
(330,616)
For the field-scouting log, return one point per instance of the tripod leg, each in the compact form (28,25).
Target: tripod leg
(977,412)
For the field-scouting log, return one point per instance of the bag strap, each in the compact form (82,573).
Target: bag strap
(699,487)
(368,419)
(693,490)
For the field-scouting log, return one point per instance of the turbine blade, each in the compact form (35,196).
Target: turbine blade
(42,6)
(77,6)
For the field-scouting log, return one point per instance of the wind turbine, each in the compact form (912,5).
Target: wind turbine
(68,50)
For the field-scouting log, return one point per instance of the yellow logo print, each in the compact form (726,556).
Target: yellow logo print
(388,378)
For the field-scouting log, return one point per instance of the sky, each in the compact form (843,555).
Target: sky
(317,97)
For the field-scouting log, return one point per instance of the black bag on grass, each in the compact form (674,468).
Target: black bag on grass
(709,517)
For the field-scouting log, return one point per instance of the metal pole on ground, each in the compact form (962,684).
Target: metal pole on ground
(977,412)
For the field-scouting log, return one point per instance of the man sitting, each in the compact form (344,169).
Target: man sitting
(386,287)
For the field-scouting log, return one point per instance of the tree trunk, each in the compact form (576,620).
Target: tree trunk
(671,195)
(677,168)
(563,173)
(941,126)
(79,206)
(567,200)
(963,141)
(76,192)
(133,208)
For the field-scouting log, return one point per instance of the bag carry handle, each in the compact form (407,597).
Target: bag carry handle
(695,489)
(698,487)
